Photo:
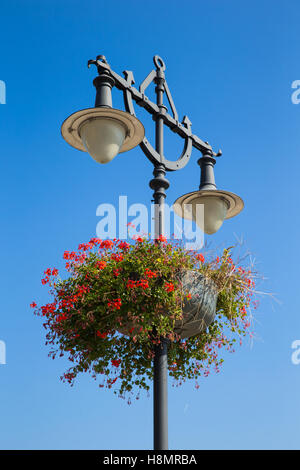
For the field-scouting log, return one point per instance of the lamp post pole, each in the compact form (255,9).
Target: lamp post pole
(159,184)
(130,135)
(160,381)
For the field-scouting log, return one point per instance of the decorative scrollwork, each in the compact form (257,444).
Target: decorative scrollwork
(145,145)
(157,110)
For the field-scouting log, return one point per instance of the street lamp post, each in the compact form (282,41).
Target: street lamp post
(104,131)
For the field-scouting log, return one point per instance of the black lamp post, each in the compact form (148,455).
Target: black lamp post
(104,131)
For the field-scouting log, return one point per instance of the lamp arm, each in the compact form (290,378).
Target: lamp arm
(130,94)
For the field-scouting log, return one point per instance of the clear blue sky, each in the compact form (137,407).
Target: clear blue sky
(230,65)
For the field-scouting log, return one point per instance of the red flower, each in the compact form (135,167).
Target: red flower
(54,272)
(101,264)
(114,304)
(48,308)
(169,286)
(150,274)
(143,283)
(124,246)
(106,244)
(116,257)
(115,362)
(68,376)
(95,241)
(33,305)
(101,335)
(131,284)
(61,317)
(85,246)
(200,258)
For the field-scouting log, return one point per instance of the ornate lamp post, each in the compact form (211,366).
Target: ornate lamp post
(103,132)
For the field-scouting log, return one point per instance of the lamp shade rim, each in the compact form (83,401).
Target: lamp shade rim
(70,128)
(234,202)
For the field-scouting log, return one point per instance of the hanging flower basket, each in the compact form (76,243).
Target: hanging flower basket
(198,309)
(118,300)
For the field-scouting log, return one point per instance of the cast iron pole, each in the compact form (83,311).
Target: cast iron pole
(160,382)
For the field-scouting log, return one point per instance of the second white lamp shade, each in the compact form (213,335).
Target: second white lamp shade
(216,206)
(102,138)
(215,210)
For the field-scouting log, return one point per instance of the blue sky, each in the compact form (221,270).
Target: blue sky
(230,66)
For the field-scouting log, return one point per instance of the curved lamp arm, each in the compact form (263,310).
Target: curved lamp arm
(157,110)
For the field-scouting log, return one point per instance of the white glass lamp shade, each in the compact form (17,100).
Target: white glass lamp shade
(216,205)
(102,138)
(215,210)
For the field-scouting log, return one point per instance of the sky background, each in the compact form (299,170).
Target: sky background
(230,66)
